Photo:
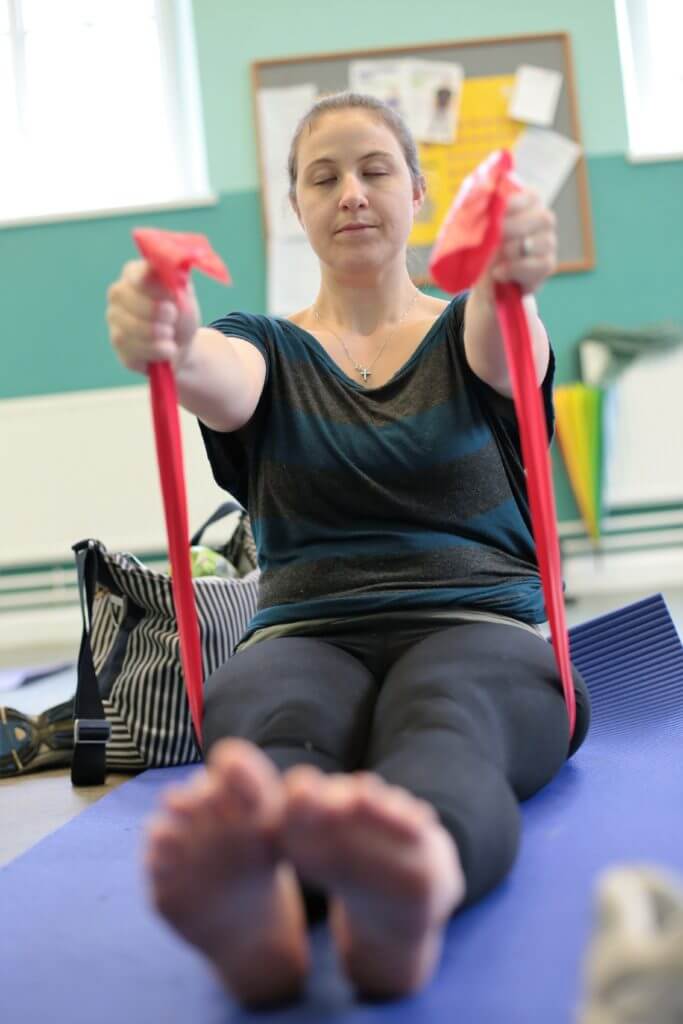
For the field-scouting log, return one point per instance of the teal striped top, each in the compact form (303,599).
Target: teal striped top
(406,496)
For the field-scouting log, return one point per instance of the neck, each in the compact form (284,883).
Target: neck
(364,305)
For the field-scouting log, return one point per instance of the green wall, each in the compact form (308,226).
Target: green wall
(54,276)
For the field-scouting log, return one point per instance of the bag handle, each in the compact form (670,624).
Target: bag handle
(222,512)
(92,731)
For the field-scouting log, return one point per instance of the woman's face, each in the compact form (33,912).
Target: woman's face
(351,170)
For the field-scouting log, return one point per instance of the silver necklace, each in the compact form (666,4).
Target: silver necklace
(366,371)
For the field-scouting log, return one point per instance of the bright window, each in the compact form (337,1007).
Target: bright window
(99,107)
(650,39)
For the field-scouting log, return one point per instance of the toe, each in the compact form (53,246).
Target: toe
(163,840)
(240,789)
(304,789)
(396,810)
(302,778)
(247,780)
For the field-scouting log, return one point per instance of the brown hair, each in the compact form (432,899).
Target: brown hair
(352,101)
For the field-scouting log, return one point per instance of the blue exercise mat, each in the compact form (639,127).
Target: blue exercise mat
(79,944)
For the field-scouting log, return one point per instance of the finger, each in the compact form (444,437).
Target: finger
(539,246)
(541,221)
(126,296)
(139,357)
(135,343)
(130,358)
(139,273)
(137,328)
(530,272)
(525,199)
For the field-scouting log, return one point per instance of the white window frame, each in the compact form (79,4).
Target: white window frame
(642,87)
(180,70)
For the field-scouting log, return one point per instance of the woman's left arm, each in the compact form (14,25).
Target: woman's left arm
(527,255)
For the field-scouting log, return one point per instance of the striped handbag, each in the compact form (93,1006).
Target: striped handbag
(131,710)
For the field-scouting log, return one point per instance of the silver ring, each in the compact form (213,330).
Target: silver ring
(527,246)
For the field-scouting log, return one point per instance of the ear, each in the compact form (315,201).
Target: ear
(295,206)
(419,193)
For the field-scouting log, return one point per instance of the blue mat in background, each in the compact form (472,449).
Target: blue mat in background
(79,944)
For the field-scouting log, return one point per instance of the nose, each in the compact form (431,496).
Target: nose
(352,194)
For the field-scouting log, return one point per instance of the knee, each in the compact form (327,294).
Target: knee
(288,697)
(239,705)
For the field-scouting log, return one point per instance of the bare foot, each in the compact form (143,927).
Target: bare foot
(392,871)
(213,862)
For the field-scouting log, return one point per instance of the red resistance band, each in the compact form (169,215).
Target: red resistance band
(171,255)
(468,239)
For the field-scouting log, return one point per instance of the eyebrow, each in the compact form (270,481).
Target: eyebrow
(330,160)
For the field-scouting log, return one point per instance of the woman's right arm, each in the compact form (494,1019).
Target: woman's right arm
(219,379)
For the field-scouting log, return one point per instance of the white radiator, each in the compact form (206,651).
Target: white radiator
(72,466)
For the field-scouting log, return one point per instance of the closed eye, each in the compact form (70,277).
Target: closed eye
(368,174)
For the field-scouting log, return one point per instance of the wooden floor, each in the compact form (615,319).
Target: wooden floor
(33,806)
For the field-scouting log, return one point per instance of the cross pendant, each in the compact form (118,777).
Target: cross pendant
(365,373)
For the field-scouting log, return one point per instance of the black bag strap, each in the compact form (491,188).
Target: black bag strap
(91,728)
(221,512)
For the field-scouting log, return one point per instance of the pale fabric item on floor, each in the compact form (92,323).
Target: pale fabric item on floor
(634,965)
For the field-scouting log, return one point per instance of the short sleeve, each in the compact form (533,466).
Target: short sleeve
(505,407)
(249,328)
(230,454)
(496,405)
(501,416)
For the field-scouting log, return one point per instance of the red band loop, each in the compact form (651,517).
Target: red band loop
(171,255)
(467,241)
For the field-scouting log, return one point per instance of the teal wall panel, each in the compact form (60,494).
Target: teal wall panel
(55,276)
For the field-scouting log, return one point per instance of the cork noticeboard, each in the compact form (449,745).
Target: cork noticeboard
(487,64)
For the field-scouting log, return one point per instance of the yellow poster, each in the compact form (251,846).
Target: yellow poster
(483,126)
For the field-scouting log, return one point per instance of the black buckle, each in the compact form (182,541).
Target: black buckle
(92,730)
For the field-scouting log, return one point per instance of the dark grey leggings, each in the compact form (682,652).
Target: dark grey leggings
(470,717)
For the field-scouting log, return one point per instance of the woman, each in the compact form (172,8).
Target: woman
(393,699)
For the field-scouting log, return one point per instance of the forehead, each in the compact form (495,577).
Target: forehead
(346,132)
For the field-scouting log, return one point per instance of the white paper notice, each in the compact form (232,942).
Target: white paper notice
(280,110)
(432,98)
(382,79)
(544,160)
(535,95)
(425,92)
(293,275)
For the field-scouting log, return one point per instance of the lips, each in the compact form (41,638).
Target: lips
(354,227)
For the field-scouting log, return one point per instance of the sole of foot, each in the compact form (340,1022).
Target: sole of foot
(392,872)
(216,875)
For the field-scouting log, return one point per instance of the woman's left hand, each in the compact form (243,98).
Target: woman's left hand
(527,253)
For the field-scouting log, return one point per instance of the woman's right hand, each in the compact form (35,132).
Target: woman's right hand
(146,324)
